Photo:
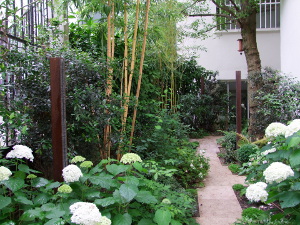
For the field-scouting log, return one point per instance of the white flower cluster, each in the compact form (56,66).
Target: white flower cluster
(293,127)
(77,159)
(277,172)
(85,213)
(5,173)
(129,158)
(20,151)
(257,192)
(269,151)
(105,221)
(275,129)
(71,173)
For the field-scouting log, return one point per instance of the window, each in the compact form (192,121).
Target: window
(268,16)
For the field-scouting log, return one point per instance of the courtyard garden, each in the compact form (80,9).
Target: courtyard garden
(130,105)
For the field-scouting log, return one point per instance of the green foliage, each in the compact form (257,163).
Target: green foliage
(202,111)
(277,98)
(234,168)
(286,192)
(228,144)
(167,143)
(121,192)
(244,152)
(238,187)
(86,110)
(253,213)
(269,221)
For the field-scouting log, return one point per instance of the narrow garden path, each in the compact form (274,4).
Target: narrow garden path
(218,204)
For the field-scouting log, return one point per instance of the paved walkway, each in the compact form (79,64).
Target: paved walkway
(217,202)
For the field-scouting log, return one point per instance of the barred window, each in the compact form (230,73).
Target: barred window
(267,17)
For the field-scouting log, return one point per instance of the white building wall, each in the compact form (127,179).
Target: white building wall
(290,37)
(221,53)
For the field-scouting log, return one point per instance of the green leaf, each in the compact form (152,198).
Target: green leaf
(296,186)
(55,221)
(48,206)
(289,199)
(295,158)
(4,201)
(138,166)
(293,141)
(132,180)
(96,169)
(145,197)
(116,169)
(157,127)
(42,198)
(92,194)
(31,214)
(52,185)
(55,213)
(128,191)
(105,201)
(24,168)
(14,184)
(124,219)
(39,182)
(175,222)
(104,180)
(162,217)
(24,200)
(146,222)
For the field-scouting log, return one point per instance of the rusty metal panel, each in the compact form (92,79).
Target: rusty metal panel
(238,102)
(58,117)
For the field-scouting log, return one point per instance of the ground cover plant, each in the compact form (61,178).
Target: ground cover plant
(110,192)
(273,172)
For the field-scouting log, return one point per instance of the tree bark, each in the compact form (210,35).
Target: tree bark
(248,32)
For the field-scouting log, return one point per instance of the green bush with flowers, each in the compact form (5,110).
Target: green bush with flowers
(110,192)
(273,171)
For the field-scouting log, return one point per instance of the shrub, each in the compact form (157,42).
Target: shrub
(245,151)
(277,99)
(228,144)
(253,213)
(234,168)
(238,187)
(120,191)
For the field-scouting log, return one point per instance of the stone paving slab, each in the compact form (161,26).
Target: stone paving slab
(218,204)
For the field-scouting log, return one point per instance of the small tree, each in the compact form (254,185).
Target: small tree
(243,13)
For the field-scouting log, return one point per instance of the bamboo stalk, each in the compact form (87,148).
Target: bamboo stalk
(108,91)
(140,70)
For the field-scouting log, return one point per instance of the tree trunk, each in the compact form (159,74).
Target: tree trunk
(248,32)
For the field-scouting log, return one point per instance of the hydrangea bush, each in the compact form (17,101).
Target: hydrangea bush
(110,192)
(277,165)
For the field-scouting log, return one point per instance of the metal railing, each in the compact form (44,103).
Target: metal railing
(22,21)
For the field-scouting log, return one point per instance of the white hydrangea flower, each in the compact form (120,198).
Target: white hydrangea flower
(77,159)
(71,173)
(256,192)
(277,172)
(129,158)
(261,184)
(20,151)
(1,120)
(293,127)
(105,221)
(85,213)
(65,189)
(5,173)
(269,151)
(166,201)
(275,129)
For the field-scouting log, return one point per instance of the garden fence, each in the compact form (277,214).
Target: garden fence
(22,21)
